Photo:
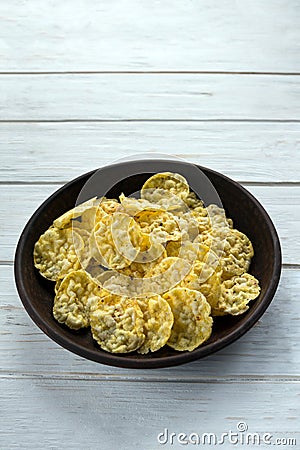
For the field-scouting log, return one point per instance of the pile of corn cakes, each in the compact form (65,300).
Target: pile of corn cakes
(147,272)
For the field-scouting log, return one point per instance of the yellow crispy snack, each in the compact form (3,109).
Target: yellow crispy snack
(150,250)
(218,217)
(236,293)
(55,252)
(171,263)
(160,184)
(87,214)
(205,277)
(95,253)
(132,206)
(187,224)
(66,219)
(194,202)
(117,324)
(187,250)
(109,205)
(74,295)
(89,219)
(173,248)
(141,269)
(57,284)
(117,238)
(167,274)
(84,254)
(122,285)
(158,322)
(237,259)
(234,249)
(161,225)
(202,219)
(192,321)
(94,269)
(130,281)
(211,219)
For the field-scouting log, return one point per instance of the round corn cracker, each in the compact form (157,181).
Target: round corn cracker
(211,218)
(88,219)
(116,241)
(74,295)
(236,293)
(206,280)
(109,205)
(130,281)
(232,247)
(132,206)
(84,253)
(127,235)
(57,284)
(117,324)
(87,214)
(150,250)
(237,255)
(55,253)
(158,322)
(167,274)
(161,225)
(94,269)
(191,251)
(193,202)
(139,269)
(66,219)
(162,184)
(187,225)
(121,285)
(192,322)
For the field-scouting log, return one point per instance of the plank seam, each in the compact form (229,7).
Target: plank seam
(213,120)
(151,72)
(81,376)
(61,182)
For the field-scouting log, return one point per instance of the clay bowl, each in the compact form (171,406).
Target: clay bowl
(247,213)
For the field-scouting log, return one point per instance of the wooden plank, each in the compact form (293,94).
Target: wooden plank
(61,151)
(93,414)
(134,35)
(144,96)
(13,221)
(271,348)
(19,202)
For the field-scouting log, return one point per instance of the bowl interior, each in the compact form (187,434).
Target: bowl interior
(248,216)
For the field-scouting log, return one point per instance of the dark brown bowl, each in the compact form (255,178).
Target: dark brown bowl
(247,213)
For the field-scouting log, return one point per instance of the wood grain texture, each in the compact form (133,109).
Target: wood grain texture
(134,35)
(149,97)
(214,82)
(57,152)
(19,202)
(268,350)
(110,415)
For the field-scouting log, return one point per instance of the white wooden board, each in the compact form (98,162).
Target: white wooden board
(267,351)
(248,35)
(90,414)
(149,97)
(83,83)
(19,202)
(57,152)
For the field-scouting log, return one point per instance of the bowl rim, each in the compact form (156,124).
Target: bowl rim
(147,362)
